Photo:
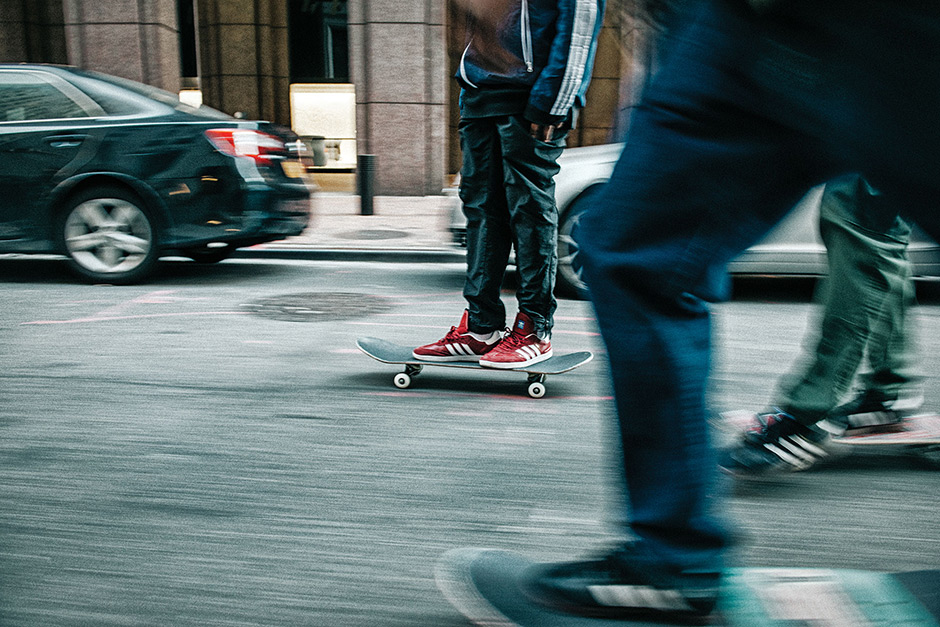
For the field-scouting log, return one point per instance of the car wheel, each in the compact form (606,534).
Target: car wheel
(568,280)
(109,236)
(210,255)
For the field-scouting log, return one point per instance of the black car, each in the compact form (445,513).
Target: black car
(115,174)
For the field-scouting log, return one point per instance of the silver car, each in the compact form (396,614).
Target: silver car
(792,248)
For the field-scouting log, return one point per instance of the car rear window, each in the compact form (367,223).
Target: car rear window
(120,96)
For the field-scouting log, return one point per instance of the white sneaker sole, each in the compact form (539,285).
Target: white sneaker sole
(446,358)
(516,364)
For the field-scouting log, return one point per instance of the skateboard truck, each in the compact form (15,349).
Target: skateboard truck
(402,380)
(536,381)
(536,385)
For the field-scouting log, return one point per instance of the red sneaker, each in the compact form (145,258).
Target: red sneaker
(458,345)
(521,348)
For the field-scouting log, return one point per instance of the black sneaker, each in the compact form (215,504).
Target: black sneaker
(871,411)
(624,585)
(776,442)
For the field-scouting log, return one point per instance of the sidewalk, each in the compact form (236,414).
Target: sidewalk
(402,228)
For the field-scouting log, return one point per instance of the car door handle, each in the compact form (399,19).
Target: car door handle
(65,141)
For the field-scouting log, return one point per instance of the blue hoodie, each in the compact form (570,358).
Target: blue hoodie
(548,48)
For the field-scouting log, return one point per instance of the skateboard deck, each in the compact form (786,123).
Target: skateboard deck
(919,435)
(390,353)
(485,586)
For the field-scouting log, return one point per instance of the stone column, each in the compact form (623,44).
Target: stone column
(244,57)
(32,31)
(398,64)
(135,39)
(599,122)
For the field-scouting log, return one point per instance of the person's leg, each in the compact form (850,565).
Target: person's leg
(529,168)
(489,237)
(889,391)
(866,246)
(892,352)
(702,177)
(694,187)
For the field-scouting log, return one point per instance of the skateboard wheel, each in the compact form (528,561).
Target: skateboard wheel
(536,390)
(402,380)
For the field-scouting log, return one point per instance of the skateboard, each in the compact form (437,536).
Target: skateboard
(485,586)
(390,353)
(916,435)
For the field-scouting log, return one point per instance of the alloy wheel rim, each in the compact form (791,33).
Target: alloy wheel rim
(568,260)
(108,235)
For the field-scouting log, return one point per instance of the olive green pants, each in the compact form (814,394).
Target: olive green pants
(865,302)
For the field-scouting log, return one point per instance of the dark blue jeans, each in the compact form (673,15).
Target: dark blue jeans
(747,112)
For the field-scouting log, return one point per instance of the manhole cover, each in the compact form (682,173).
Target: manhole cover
(318,306)
(374,234)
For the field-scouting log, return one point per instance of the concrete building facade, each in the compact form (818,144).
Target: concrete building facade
(386,64)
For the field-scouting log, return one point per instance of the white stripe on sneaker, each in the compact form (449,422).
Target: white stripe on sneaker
(785,456)
(812,448)
(638,597)
(793,446)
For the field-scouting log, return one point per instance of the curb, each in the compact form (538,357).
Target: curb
(355,254)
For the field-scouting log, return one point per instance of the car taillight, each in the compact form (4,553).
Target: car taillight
(237,142)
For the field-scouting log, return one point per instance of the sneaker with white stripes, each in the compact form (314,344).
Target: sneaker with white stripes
(521,348)
(626,584)
(460,344)
(776,442)
(872,411)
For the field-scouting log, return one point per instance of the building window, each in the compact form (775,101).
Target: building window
(324,115)
(189,60)
(318,41)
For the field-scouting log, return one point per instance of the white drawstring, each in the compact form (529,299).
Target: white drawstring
(463,68)
(526,36)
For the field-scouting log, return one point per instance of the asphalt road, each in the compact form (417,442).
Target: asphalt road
(211,449)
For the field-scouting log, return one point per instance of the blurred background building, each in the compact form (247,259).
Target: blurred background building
(350,76)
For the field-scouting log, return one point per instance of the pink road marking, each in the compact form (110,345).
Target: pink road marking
(386,324)
(500,397)
(390,393)
(136,317)
(155,297)
(159,297)
(468,414)
(450,316)
(435,295)
(413,315)
(421,326)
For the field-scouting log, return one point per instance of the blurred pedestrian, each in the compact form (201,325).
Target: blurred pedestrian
(753,105)
(865,299)
(523,74)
